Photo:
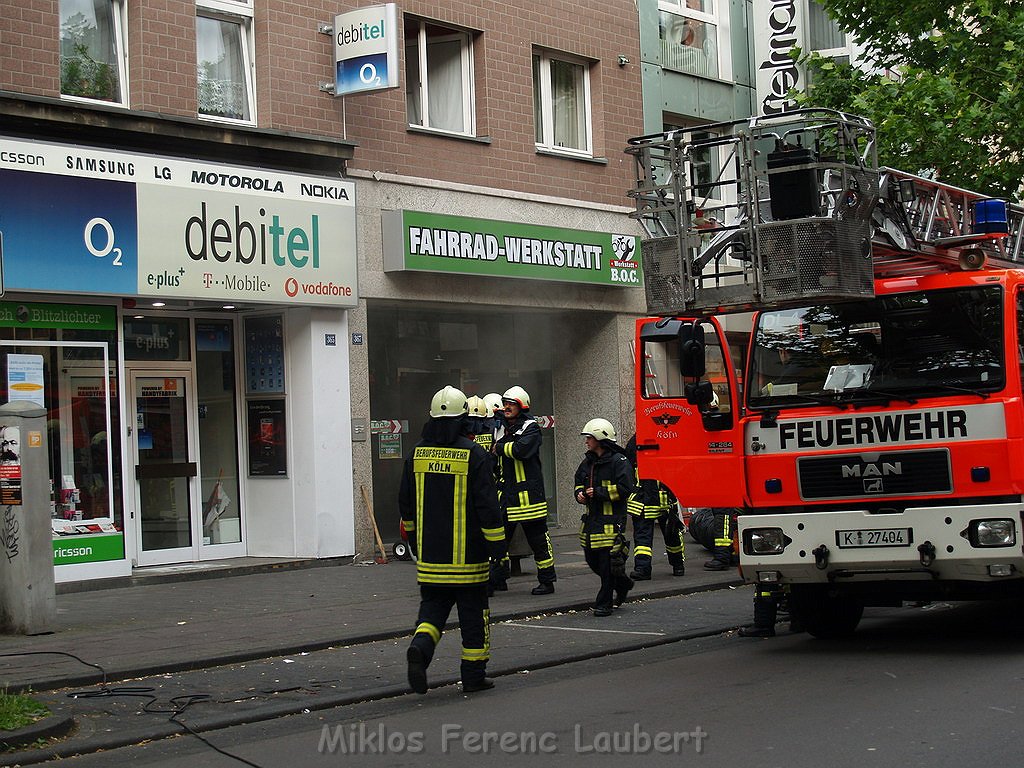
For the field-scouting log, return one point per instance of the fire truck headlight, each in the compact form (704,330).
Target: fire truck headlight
(992,533)
(765,541)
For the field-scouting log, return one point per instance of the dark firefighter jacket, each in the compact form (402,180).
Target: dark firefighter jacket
(652,499)
(520,477)
(450,510)
(611,477)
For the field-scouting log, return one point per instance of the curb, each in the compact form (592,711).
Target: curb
(253,654)
(50,727)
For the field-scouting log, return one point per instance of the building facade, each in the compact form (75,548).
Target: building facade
(238,261)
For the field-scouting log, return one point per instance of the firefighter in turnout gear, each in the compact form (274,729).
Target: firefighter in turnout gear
(479,423)
(521,485)
(604,483)
(712,528)
(449,508)
(653,504)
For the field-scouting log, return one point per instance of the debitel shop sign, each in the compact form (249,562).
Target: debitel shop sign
(366,49)
(95,221)
(433,242)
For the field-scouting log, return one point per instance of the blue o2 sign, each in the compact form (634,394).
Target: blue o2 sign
(366,49)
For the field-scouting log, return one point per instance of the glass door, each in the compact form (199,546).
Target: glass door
(166,495)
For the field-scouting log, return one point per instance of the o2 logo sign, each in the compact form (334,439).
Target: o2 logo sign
(362,73)
(99,240)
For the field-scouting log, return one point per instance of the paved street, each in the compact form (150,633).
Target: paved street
(915,687)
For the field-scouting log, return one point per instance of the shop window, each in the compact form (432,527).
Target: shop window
(691,32)
(561,104)
(157,338)
(224,60)
(72,374)
(92,50)
(218,435)
(439,77)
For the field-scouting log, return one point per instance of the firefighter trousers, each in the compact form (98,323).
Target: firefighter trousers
(536,533)
(600,561)
(436,603)
(643,541)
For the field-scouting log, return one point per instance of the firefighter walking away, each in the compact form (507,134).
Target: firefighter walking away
(449,508)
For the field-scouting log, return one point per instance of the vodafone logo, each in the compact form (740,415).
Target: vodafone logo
(291,286)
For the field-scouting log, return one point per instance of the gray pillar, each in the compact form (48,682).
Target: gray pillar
(28,603)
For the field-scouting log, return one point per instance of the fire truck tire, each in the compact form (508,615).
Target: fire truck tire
(401,551)
(823,615)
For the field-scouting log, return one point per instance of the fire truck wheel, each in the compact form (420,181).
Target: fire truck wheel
(401,550)
(823,615)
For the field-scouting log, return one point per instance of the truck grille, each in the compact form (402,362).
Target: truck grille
(859,476)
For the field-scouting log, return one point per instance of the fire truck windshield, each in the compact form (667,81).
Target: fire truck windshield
(901,346)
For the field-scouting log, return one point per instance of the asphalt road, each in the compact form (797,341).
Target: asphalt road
(934,686)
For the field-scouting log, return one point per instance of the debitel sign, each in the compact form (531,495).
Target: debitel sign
(366,49)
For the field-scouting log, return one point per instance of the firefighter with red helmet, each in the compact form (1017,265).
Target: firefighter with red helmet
(521,485)
(449,508)
(603,484)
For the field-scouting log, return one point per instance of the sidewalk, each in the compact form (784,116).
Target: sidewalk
(229,617)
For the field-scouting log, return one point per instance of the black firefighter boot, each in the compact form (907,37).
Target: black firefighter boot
(765,612)
(418,656)
(474,677)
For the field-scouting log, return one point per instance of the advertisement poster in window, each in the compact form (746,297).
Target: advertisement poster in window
(264,354)
(10,466)
(267,441)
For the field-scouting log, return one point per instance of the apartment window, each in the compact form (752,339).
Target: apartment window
(691,32)
(439,77)
(823,34)
(224,59)
(561,104)
(92,46)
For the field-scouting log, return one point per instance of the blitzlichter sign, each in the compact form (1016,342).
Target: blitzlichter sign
(366,49)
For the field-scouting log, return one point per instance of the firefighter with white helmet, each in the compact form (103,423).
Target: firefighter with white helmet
(447,485)
(521,484)
(603,484)
(478,422)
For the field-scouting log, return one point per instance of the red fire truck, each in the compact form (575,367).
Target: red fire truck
(836,351)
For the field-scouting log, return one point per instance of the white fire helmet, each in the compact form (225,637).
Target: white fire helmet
(478,408)
(599,429)
(493,400)
(448,402)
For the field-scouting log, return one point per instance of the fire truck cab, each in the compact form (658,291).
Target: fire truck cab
(865,411)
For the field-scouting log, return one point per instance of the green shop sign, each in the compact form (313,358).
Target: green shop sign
(432,242)
(95,548)
(20,314)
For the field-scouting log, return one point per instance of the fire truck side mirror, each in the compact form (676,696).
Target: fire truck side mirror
(691,350)
(700,394)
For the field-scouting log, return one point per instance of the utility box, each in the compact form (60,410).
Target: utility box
(28,603)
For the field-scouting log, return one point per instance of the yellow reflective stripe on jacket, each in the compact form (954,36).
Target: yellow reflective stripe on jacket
(494,534)
(612,488)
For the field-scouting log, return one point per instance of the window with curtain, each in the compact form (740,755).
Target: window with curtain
(438,77)
(561,104)
(223,61)
(92,50)
(689,31)
(823,34)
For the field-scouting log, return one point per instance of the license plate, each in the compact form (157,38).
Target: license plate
(875,537)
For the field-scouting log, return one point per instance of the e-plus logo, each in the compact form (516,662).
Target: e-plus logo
(245,242)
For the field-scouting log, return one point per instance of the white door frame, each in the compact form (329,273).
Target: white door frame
(169,369)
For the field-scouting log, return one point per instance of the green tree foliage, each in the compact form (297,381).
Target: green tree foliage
(942,83)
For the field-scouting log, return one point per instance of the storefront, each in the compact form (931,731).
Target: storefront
(183,323)
(484,303)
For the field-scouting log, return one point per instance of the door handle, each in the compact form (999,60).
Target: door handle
(649,447)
